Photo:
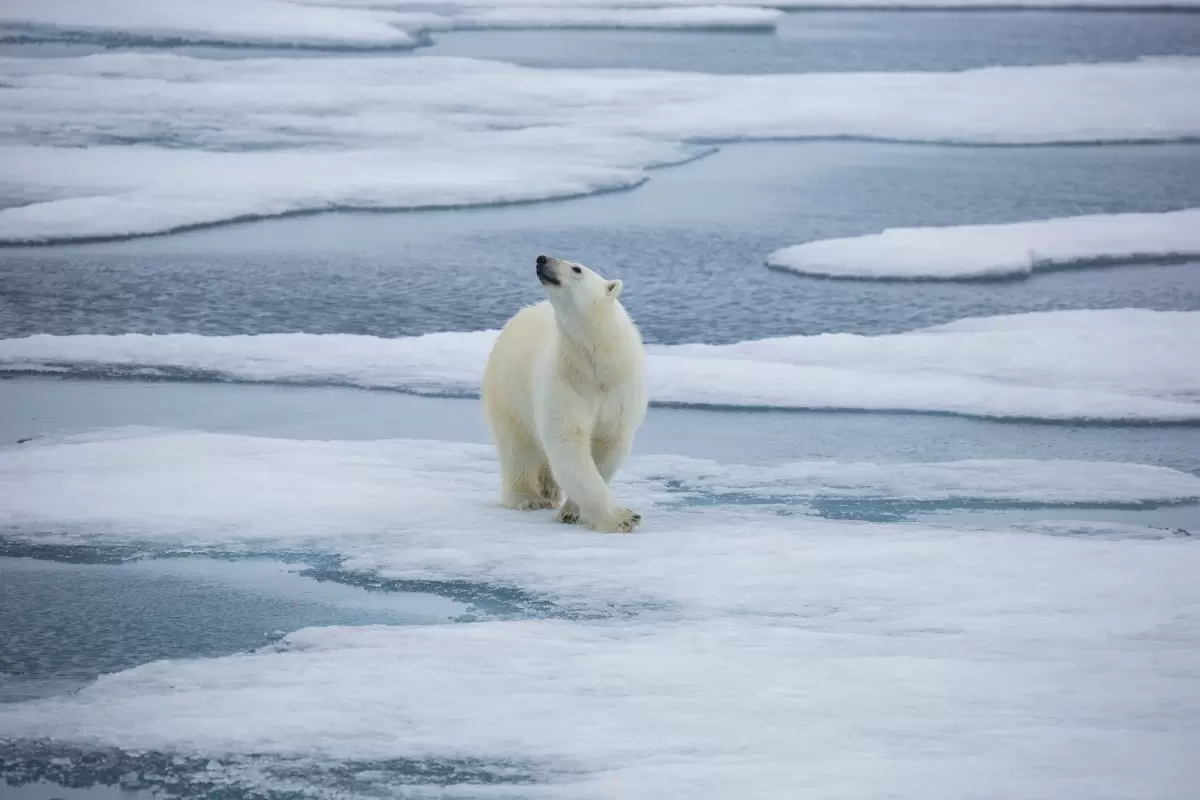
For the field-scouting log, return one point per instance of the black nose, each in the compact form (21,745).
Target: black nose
(541,261)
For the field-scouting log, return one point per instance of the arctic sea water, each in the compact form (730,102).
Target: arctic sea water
(905,559)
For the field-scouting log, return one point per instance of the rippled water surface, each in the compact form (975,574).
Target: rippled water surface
(689,244)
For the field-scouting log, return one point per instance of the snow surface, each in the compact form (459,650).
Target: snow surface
(1103,365)
(428,510)
(680,17)
(328,24)
(226,22)
(354,24)
(105,479)
(128,144)
(1000,250)
(768,656)
(143,190)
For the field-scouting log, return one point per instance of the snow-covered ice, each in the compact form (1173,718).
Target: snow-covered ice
(770,656)
(399,24)
(428,510)
(203,141)
(1114,365)
(716,708)
(676,17)
(142,190)
(327,24)
(93,478)
(222,22)
(999,250)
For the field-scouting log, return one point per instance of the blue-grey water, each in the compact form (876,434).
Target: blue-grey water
(35,408)
(50,642)
(689,244)
(831,41)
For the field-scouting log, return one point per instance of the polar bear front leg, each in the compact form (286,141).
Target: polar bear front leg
(609,454)
(589,499)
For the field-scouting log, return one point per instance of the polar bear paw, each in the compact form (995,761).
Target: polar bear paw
(524,503)
(569,513)
(619,520)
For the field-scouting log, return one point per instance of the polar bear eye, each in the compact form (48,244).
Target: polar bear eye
(576,269)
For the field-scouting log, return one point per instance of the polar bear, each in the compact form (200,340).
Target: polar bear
(564,391)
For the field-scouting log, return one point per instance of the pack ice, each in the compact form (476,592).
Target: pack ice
(729,650)
(1132,365)
(209,141)
(1000,250)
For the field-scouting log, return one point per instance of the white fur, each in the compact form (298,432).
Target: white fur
(564,391)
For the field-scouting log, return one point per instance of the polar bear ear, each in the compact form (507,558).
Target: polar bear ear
(614,289)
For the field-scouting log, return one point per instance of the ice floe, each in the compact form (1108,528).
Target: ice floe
(213,22)
(1092,365)
(426,509)
(585,15)
(332,25)
(1014,249)
(398,24)
(128,144)
(766,653)
(711,709)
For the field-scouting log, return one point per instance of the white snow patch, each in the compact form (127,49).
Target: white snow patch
(1114,365)
(779,652)
(379,132)
(143,190)
(223,22)
(679,17)
(328,24)
(1002,250)
(424,509)
(997,480)
(1094,699)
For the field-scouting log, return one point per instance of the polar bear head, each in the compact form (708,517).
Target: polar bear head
(573,288)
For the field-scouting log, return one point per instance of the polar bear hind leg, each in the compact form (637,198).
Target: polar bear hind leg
(547,486)
(526,483)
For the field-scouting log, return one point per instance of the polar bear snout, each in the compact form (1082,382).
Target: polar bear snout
(546,272)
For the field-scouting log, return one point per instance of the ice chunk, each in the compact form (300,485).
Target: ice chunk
(1033,678)
(1114,365)
(689,17)
(1004,480)
(378,132)
(142,190)
(928,659)
(220,22)
(990,251)
(428,510)
(329,24)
